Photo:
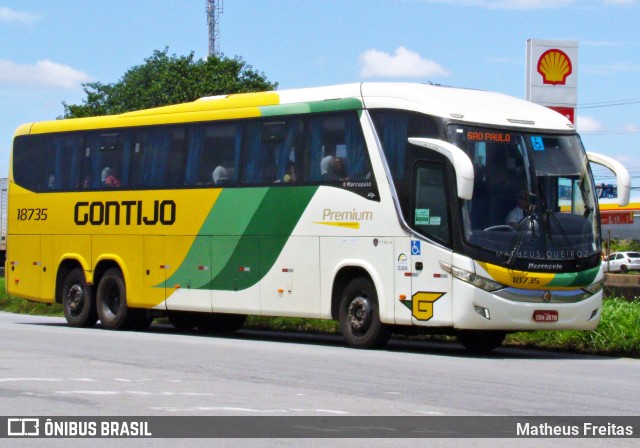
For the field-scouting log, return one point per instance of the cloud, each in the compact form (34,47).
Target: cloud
(42,74)
(588,124)
(8,15)
(403,63)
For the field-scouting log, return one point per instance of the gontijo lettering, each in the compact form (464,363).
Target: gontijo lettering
(125,213)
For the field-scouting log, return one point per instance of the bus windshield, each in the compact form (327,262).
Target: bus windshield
(533,196)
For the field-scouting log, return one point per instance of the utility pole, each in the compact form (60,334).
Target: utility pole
(214,9)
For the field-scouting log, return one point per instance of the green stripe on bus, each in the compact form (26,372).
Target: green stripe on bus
(576,279)
(311,107)
(264,239)
(245,233)
(227,221)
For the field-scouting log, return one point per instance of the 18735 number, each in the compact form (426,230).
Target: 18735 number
(32,214)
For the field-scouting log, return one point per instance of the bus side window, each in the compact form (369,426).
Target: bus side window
(49,162)
(269,152)
(113,171)
(29,163)
(66,162)
(337,149)
(150,152)
(213,153)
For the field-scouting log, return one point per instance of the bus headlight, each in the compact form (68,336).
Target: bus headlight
(476,280)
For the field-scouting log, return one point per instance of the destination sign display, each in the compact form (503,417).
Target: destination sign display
(489,136)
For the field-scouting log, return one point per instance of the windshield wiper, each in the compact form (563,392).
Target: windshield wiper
(523,226)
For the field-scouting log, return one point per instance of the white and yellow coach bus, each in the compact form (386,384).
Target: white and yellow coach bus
(379,205)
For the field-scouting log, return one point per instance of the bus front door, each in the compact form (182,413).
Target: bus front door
(430,215)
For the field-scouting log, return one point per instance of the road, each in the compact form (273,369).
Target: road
(47,368)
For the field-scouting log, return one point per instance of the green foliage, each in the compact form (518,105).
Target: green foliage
(618,333)
(292,324)
(16,305)
(163,80)
(624,245)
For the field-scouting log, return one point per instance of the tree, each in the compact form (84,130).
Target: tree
(164,80)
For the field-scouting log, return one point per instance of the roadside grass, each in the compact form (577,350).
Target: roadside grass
(17,305)
(617,335)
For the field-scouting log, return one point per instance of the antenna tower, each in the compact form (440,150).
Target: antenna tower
(214,9)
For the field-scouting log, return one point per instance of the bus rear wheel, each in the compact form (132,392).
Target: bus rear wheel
(481,341)
(359,315)
(111,301)
(78,301)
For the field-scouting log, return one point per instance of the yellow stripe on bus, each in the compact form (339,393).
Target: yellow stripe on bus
(346,225)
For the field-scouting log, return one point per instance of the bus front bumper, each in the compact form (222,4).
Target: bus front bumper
(524,310)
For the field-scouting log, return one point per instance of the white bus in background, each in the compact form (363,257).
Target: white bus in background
(383,206)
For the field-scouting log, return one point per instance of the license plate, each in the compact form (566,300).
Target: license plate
(545,316)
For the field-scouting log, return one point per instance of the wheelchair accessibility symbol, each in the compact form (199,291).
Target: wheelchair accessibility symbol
(538,144)
(415,248)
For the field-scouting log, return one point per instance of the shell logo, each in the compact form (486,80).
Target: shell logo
(554,66)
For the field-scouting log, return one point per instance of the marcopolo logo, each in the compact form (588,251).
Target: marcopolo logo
(554,66)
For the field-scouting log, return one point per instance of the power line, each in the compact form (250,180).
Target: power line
(611,132)
(610,103)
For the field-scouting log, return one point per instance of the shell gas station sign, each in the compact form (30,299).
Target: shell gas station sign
(552,78)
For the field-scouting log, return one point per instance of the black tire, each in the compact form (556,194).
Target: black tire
(359,315)
(624,268)
(481,341)
(219,323)
(183,320)
(78,301)
(111,301)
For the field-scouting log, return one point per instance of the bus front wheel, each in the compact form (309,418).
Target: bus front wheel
(481,341)
(359,315)
(77,301)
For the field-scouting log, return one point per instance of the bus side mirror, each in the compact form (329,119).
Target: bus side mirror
(623,179)
(459,159)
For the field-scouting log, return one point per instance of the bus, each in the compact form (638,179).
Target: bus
(382,206)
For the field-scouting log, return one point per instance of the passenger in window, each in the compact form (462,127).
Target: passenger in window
(110,178)
(291,175)
(337,170)
(223,174)
(325,164)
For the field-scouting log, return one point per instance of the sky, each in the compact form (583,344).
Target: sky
(49,49)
